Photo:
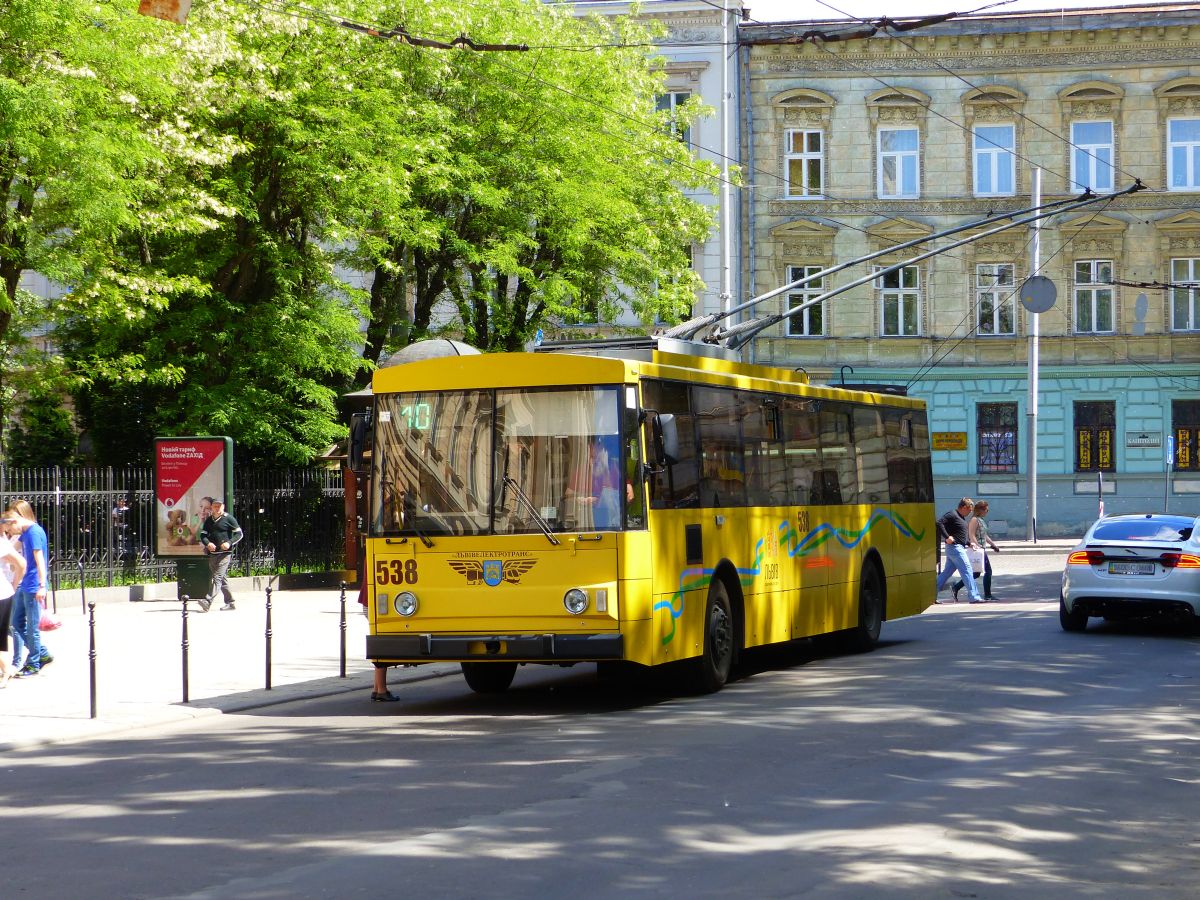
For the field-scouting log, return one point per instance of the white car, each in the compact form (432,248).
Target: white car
(1133,566)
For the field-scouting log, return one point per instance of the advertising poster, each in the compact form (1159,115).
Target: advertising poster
(186,470)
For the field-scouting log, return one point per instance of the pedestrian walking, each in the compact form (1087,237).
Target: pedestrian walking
(12,570)
(952,529)
(31,591)
(219,534)
(981,537)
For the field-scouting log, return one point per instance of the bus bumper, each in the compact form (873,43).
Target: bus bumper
(513,647)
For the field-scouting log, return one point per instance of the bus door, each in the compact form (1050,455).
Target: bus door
(840,514)
(807,561)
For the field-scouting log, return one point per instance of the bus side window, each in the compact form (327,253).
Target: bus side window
(673,484)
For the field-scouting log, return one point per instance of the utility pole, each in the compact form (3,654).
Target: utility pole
(726,218)
(1031,409)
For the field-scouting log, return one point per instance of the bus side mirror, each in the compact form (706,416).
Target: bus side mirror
(666,439)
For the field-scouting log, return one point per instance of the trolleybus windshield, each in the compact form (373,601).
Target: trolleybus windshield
(504,461)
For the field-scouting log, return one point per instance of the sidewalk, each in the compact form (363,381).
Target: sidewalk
(139,662)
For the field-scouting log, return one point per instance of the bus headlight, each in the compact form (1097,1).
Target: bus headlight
(576,601)
(406,603)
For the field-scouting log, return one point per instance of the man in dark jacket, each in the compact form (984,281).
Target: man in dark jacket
(219,534)
(952,529)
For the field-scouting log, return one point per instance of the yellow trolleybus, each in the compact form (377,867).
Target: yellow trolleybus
(645,506)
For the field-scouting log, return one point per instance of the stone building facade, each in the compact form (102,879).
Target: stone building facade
(853,146)
(692,54)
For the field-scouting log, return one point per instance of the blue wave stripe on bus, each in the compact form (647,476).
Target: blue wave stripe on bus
(745,576)
(848,539)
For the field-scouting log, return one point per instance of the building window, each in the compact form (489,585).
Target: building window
(1185,425)
(669,103)
(996,437)
(1095,423)
(804,156)
(808,322)
(900,301)
(899,153)
(1183,154)
(1185,294)
(1092,156)
(995,160)
(1093,296)
(994,305)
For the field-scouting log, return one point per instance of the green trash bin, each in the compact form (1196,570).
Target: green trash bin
(193,577)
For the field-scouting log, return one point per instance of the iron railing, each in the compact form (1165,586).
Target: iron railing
(293,520)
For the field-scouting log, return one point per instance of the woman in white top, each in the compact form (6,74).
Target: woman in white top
(12,570)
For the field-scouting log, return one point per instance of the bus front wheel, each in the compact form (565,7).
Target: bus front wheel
(489,677)
(713,667)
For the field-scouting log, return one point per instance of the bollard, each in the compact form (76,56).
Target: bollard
(92,652)
(268,637)
(342,600)
(185,648)
(82,587)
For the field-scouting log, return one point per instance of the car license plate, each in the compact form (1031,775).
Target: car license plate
(1131,568)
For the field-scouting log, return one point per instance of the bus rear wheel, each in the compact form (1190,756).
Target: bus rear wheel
(712,669)
(870,610)
(489,677)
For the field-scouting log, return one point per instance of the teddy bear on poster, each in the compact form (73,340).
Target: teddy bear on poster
(178,533)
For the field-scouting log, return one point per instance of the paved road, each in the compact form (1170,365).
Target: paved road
(978,752)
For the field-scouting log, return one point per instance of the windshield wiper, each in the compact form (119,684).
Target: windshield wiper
(510,482)
(410,521)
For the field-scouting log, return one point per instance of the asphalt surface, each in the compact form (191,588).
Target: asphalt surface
(139,658)
(979,751)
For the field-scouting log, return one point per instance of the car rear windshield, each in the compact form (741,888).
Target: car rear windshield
(1144,530)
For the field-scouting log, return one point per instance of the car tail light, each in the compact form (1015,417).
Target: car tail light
(1180,561)
(1086,558)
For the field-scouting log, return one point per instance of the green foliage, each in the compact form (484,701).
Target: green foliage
(45,434)
(199,188)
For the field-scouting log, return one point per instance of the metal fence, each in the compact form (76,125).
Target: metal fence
(293,520)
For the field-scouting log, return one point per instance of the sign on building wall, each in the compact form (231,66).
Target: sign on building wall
(186,470)
(1143,439)
(949,440)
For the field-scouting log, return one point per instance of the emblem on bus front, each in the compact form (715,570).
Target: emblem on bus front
(492,572)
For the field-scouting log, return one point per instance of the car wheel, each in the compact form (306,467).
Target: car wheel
(1073,619)
(489,677)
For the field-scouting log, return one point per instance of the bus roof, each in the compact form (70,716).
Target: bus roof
(512,370)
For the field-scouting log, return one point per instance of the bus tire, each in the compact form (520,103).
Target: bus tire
(712,669)
(865,635)
(489,677)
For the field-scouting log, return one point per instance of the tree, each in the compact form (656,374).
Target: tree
(256,343)
(549,186)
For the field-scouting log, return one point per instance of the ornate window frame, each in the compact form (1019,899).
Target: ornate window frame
(892,108)
(800,109)
(1178,238)
(801,243)
(1090,101)
(1093,236)
(994,105)
(1178,98)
